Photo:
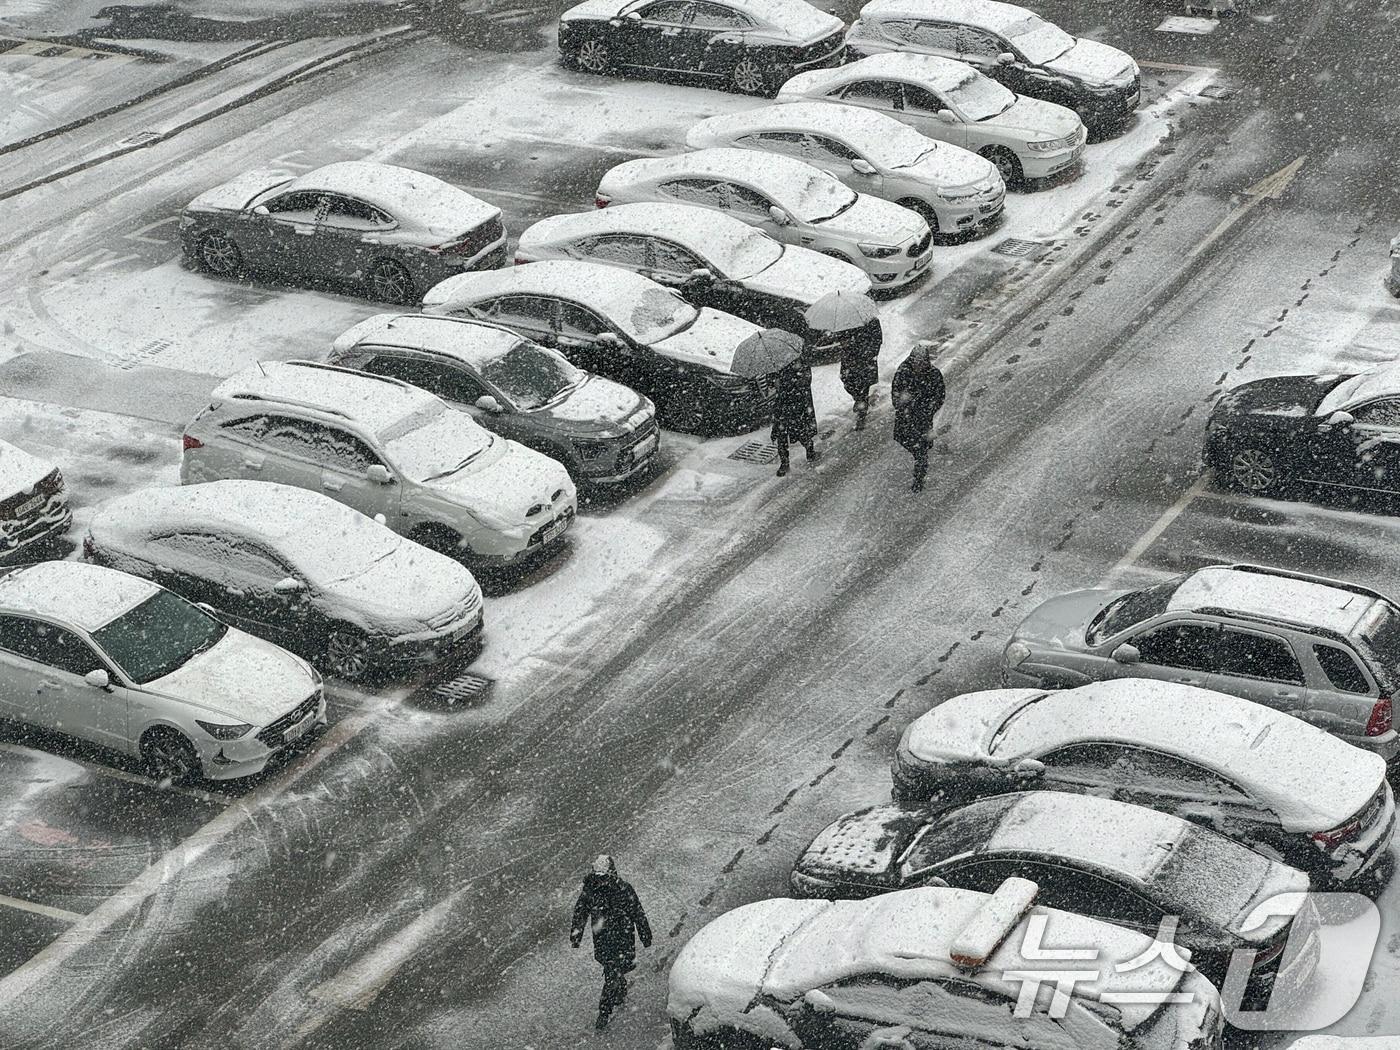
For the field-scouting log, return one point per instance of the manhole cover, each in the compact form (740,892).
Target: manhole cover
(755,452)
(1018,248)
(1188,24)
(464,689)
(1219,91)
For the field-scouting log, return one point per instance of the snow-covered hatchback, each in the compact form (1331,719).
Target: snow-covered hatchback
(953,189)
(33,502)
(120,662)
(297,568)
(925,968)
(1262,778)
(384,447)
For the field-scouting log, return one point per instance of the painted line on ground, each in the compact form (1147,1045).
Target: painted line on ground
(1175,68)
(131,778)
(40,909)
(541,198)
(597,147)
(1152,535)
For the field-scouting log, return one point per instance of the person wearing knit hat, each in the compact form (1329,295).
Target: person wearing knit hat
(609,906)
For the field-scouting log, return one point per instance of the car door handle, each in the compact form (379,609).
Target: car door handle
(252,464)
(1187,680)
(332,484)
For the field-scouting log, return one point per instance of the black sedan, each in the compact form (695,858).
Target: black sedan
(751,46)
(391,232)
(1341,431)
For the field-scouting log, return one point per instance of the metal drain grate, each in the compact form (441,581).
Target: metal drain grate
(755,452)
(1216,91)
(1018,248)
(464,689)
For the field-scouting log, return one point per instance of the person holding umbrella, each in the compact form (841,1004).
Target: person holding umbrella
(853,315)
(917,392)
(780,354)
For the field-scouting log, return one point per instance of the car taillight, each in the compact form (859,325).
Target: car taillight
(1271,951)
(192,442)
(1380,721)
(601,202)
(521,260)
(1335,837)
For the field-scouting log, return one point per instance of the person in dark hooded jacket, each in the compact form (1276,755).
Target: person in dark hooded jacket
(609,905)
(794,414)
(860,368)
(917,391)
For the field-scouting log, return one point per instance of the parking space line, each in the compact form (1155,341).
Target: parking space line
(131,778)
(40,909)
(1152,535)
(491,191)
(1175,68)
(597,147)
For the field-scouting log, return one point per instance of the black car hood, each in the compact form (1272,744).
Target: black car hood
(1283,396)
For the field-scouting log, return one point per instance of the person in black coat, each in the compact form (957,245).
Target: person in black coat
(860,368)
(917,391)
(609,905)
(794,415)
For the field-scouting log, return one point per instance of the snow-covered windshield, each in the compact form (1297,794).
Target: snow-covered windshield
(819,197)
(531,376)
(1038,40)
(979,97)
(747,253)
(898,146)
(157,637)
(434,441)
(1130,609)
(654,315)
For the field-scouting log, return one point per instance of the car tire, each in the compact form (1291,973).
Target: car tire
(1251,470)
(924,210)
(683,412)
(593,57)
(389,282)
(749,76)
(169,756)
(219,255)
(346,655)
(1008,165)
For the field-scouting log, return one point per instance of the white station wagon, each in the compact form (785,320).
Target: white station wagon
(787,199)
(953,189)
(1025,138)
(118,661)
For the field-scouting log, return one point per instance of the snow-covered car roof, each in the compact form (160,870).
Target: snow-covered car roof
(1382,381)
(785,948)
(1309,778)
(476,343)
(872,134)
(987,14)
(86,596)
(19,469)
(1266,594)
(796,17)
(373,401)
(409,196)
(933,71)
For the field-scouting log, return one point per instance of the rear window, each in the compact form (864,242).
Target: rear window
(1131,610)
(1210,877)
(1379,629)
(962,831)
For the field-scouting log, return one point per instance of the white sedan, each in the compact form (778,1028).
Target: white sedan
(954,190)
(787,199)
(123,663)
(1025,138)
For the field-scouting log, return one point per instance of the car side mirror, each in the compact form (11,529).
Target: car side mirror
(98,679)
(701,275)
(819,1001)
(947,116)
(207,609)
(632,16)
(609,339)
(778,215)
(488,403)
(1028,768)
(261,209)
(1340,419)
(862,167)
(1127,654)
(379,474)
(1005,58)
(290,585)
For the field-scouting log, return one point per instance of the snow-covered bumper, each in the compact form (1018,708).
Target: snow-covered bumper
(965,212)
(1041,160)
(40,519)
(614,460)
(428,648)
(1361,856)
(901,267)
(250,753)
(526,542)
(1110,109)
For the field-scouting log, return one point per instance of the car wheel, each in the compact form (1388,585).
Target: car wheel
(1252,470)
(1007,165)
(924,210)
(169,756)
(347,655)
(749,77)
(219,255)
(593,57)
(389,282)
(684,412)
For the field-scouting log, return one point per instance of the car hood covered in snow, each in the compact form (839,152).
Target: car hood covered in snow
(710,341)
(241,677)
(875,221)
(1095,63)
(951,168)
(409,591)
(505,481)
(239,191)
(19,471)
(597,406)
(1037,119)
(1283,396)
(804,276)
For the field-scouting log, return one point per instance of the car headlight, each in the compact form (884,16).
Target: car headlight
(219,731)
(959,195)
(1016,653)
(877,251)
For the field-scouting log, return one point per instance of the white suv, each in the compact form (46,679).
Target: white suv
(385,448)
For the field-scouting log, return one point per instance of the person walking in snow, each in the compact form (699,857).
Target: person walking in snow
(794,414)
(917,392)
(860,368)
(609,906)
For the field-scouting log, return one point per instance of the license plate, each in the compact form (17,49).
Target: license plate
(298,731)
(33,503)
(1077,152)
(922,261)
(556,529)
(645,448)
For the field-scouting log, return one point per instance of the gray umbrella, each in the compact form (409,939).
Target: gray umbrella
(840,311)
(765,353)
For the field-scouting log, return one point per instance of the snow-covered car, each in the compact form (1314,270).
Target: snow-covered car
(712,260)
(1013,46)
(927,968)
(953,189)
(1322,650)
(1265,779)
(387,230)
(601,431)
(120,662)
(1026,138)
(383,446)
(787,199)
(297,568)
(750,46)
(33,502)
(1127,865)
(623,326)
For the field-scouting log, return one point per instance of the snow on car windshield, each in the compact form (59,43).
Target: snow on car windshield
(1122,613)
(434,441)
(157,637)
(656,314)
(530,375)
(979,97)
(818,197)
(747,253)
(1038,40)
